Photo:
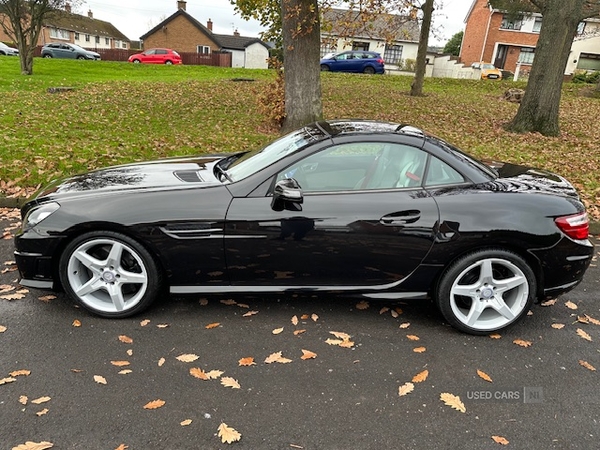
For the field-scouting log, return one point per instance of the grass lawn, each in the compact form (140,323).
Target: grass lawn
(120,112)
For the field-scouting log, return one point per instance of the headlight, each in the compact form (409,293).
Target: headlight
(36,215)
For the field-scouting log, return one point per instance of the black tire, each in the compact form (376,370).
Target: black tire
(136,61)
(47,55)
(109,274)
(369,70)
(486,291)
(81,57)
(168,63)
(324,68)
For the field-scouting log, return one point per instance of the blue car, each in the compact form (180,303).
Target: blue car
(357,61)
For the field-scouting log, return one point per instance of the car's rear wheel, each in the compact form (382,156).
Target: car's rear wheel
(369,70)
(47,55)
(168,63)
(81,57)
(324,68)
(486,291)
(136,61)
(109,274)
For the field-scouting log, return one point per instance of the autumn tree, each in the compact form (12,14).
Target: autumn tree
(539,109)
(22,20)
(452,47)
(416,88)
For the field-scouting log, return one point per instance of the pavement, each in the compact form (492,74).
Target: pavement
(82,382)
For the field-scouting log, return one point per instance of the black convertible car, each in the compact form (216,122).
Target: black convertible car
(372,208)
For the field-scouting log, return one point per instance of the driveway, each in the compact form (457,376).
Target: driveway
(81,382)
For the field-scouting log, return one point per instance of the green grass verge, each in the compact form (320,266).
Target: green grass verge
(120,112)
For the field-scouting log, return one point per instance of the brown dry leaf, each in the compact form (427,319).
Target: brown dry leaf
(212,325)
(412,337)
(120,363)
(30,445)
(500,440)
(405,389)
(229,302)
(125,339)
(346,344)
(129,352)
(362,305)
(18,373)
(522,343)
(570,305)
(304,317)
(214,374)
(230,382)
(228,434)
(203,301)
(40,400)
(333,341)
(277,330)
(15,296)
(248,361)
(549,302)
(592,320)
(495,336)
(394,313)
(47,298)
(294,320)
(582,319)
(76,323)
(187,357)
(6,288)
(419,349)
(587,365)
(307,354)
(99,379)
(273,357)
(340,335)
(2,328)
(23,399)
(122,447)
(558,326)
(199,373)
(43,412)
(420,377)
(398,310)
(314,317)
(250,313)
(582,334)
(404,325)
(154,404)
(144,322)
(384,310)
(76,370)
(125,371)
(161,361)
(484,376)
(162,325)
(7,380)
(185,423)
(453,401)
(298,332)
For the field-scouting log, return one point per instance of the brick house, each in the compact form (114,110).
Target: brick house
(65,26)
(493,36)
(185,34)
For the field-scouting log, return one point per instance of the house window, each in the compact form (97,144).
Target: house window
(393,54)
(97,39)
(204,49)
(580,28)
(57,33)
(537,25)
(526,55)
(87,38)
(360,46)
(107,41)
(511,23)
(76,36)
(124,45)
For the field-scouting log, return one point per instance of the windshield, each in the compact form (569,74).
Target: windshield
(77,47)
(257,160)
(487,66)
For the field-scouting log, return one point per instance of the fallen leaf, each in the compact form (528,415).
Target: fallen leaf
(405,389)
(214,374)
(582,319)
(47,298)
(419,349)
(129,352)
(587,365)
(592,320)
(198,373)
(2,328)
(248,361)
(570,305)
(187,357)
(15,296)
(23,399)
(161,361)
(40,400)
(362,305)
(154,404)
(558,326)
(307,354)
(125,371)
(420,377)
(250,313)
(120,363)
(340,335)
(228,434)
(294,320)
(298,332)
(185,423)
(453,401)
(125,339)
(333,341)
(549,302)
(162,325)
(484,376)
(122,447)
(277,330)
(304,317)
(229,302)
(43,412)
(412,337)
(582,334)
(314,317)
(394,313)
(212,325)
(384,310)
(398,310)
(346,344)
(522,343)
(404,325)
(30,445)
(203,301)
(76,323)
(7,380)
(500,440)
(230,382)
(495,336)
(144,322)
(243,305)
(99,379)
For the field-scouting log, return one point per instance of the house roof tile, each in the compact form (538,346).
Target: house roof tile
(83,24)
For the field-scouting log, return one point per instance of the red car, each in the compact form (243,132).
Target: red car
(156,56)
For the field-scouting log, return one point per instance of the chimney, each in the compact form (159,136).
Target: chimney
(209,24)
(90,15)
(236,32)
(68,7)
(181,4)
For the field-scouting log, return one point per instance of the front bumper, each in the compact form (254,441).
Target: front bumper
(35,270)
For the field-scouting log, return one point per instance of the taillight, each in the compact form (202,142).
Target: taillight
(380,61)
(576,226)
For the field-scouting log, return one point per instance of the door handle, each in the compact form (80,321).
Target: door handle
(401,218)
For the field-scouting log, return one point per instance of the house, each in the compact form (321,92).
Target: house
(507,40)
(66,26)
(185,34)
(395,37)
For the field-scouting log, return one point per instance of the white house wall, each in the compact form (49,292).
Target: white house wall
(256,56)
(409,49)
(238,57)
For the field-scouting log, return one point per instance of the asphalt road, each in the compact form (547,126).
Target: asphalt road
(539,397)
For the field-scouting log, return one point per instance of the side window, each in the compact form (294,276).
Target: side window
(440,173)
(359,166)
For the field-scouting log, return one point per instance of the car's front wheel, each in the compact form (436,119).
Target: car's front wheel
(47,55)
(324,68)
(109,274)
(81,57)
(486,291)
(168,63)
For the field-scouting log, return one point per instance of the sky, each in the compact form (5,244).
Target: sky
(136,17)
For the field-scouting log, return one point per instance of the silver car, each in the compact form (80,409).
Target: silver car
(68,51)
(8,51)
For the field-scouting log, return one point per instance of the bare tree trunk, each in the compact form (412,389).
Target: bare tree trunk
(539,109)
(301,47)
(416,88)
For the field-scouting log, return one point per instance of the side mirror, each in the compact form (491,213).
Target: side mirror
(287,195)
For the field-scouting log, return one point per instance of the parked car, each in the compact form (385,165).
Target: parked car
(68,51)
(354,61)
(156,56)
(359,207)
(488,71)
(8,51)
